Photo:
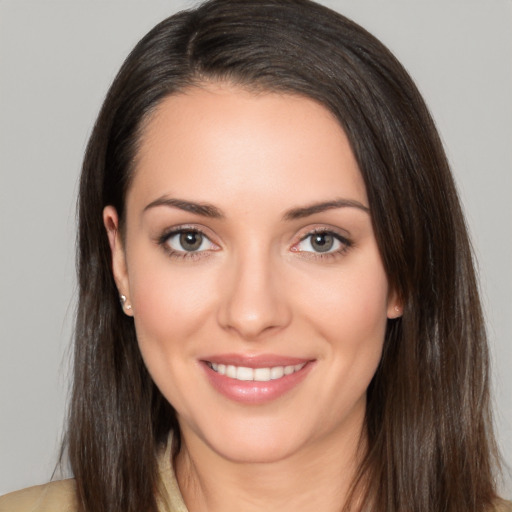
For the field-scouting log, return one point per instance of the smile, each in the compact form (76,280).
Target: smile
(244,373)
(255,380)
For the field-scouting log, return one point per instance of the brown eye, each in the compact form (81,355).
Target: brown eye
(322,242)
(187,241)
(191,240)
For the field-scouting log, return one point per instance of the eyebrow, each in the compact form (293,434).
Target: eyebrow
(306,211)
(204,209)
(211,211)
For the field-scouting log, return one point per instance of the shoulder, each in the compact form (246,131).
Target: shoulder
(52,497)
(503,506)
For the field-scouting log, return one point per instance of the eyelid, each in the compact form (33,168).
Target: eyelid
(344,240)
(202,239)
(180,228)
(340,234)
(162,240)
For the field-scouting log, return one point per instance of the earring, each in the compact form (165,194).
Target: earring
(397,309)
(122,298)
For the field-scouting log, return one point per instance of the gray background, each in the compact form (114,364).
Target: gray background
(57,59)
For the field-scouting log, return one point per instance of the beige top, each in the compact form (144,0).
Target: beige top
(60,496)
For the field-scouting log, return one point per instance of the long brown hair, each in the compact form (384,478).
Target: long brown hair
(431,445)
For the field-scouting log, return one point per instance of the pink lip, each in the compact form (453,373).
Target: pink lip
(255,392)
(255,360)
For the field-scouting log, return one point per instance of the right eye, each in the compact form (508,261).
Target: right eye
(320,242)
(188,241)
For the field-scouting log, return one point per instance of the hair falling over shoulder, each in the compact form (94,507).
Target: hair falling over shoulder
(429,426)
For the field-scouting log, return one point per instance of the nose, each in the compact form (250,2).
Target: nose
(254,297)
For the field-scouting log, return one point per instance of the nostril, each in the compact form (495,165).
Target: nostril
(252,303)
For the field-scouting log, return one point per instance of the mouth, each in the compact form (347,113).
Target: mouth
(255,380)
(244,373)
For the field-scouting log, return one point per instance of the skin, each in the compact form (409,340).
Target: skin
(256,286)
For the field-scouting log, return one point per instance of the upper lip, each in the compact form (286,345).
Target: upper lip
(255,360)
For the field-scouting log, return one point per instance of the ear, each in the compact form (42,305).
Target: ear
(111,223)
(395,306)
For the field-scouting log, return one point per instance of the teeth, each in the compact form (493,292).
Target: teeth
(256,374)
(262,374)
(243,373)
(288,370)
(277,372)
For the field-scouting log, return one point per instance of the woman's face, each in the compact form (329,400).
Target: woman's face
(258,293)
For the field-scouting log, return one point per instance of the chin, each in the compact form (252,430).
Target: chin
(254,440)
(246,451)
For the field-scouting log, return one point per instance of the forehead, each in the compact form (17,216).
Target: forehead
(224,139)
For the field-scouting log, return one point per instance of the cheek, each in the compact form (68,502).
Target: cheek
(171,307)
(351,301)
(170,302)
(349,311)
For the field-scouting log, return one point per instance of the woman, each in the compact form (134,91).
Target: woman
(278,306)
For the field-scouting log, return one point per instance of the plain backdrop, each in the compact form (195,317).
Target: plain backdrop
(57,59)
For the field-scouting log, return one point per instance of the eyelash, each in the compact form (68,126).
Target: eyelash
(346,245)
(163,241)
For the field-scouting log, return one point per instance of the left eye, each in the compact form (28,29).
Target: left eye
(320,242)
(189,241)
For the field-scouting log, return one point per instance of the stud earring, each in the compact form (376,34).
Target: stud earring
(122,298)
(397,309)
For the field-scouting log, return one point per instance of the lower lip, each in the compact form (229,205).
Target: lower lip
(255,392)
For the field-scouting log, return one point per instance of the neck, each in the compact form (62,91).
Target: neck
(317,477)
